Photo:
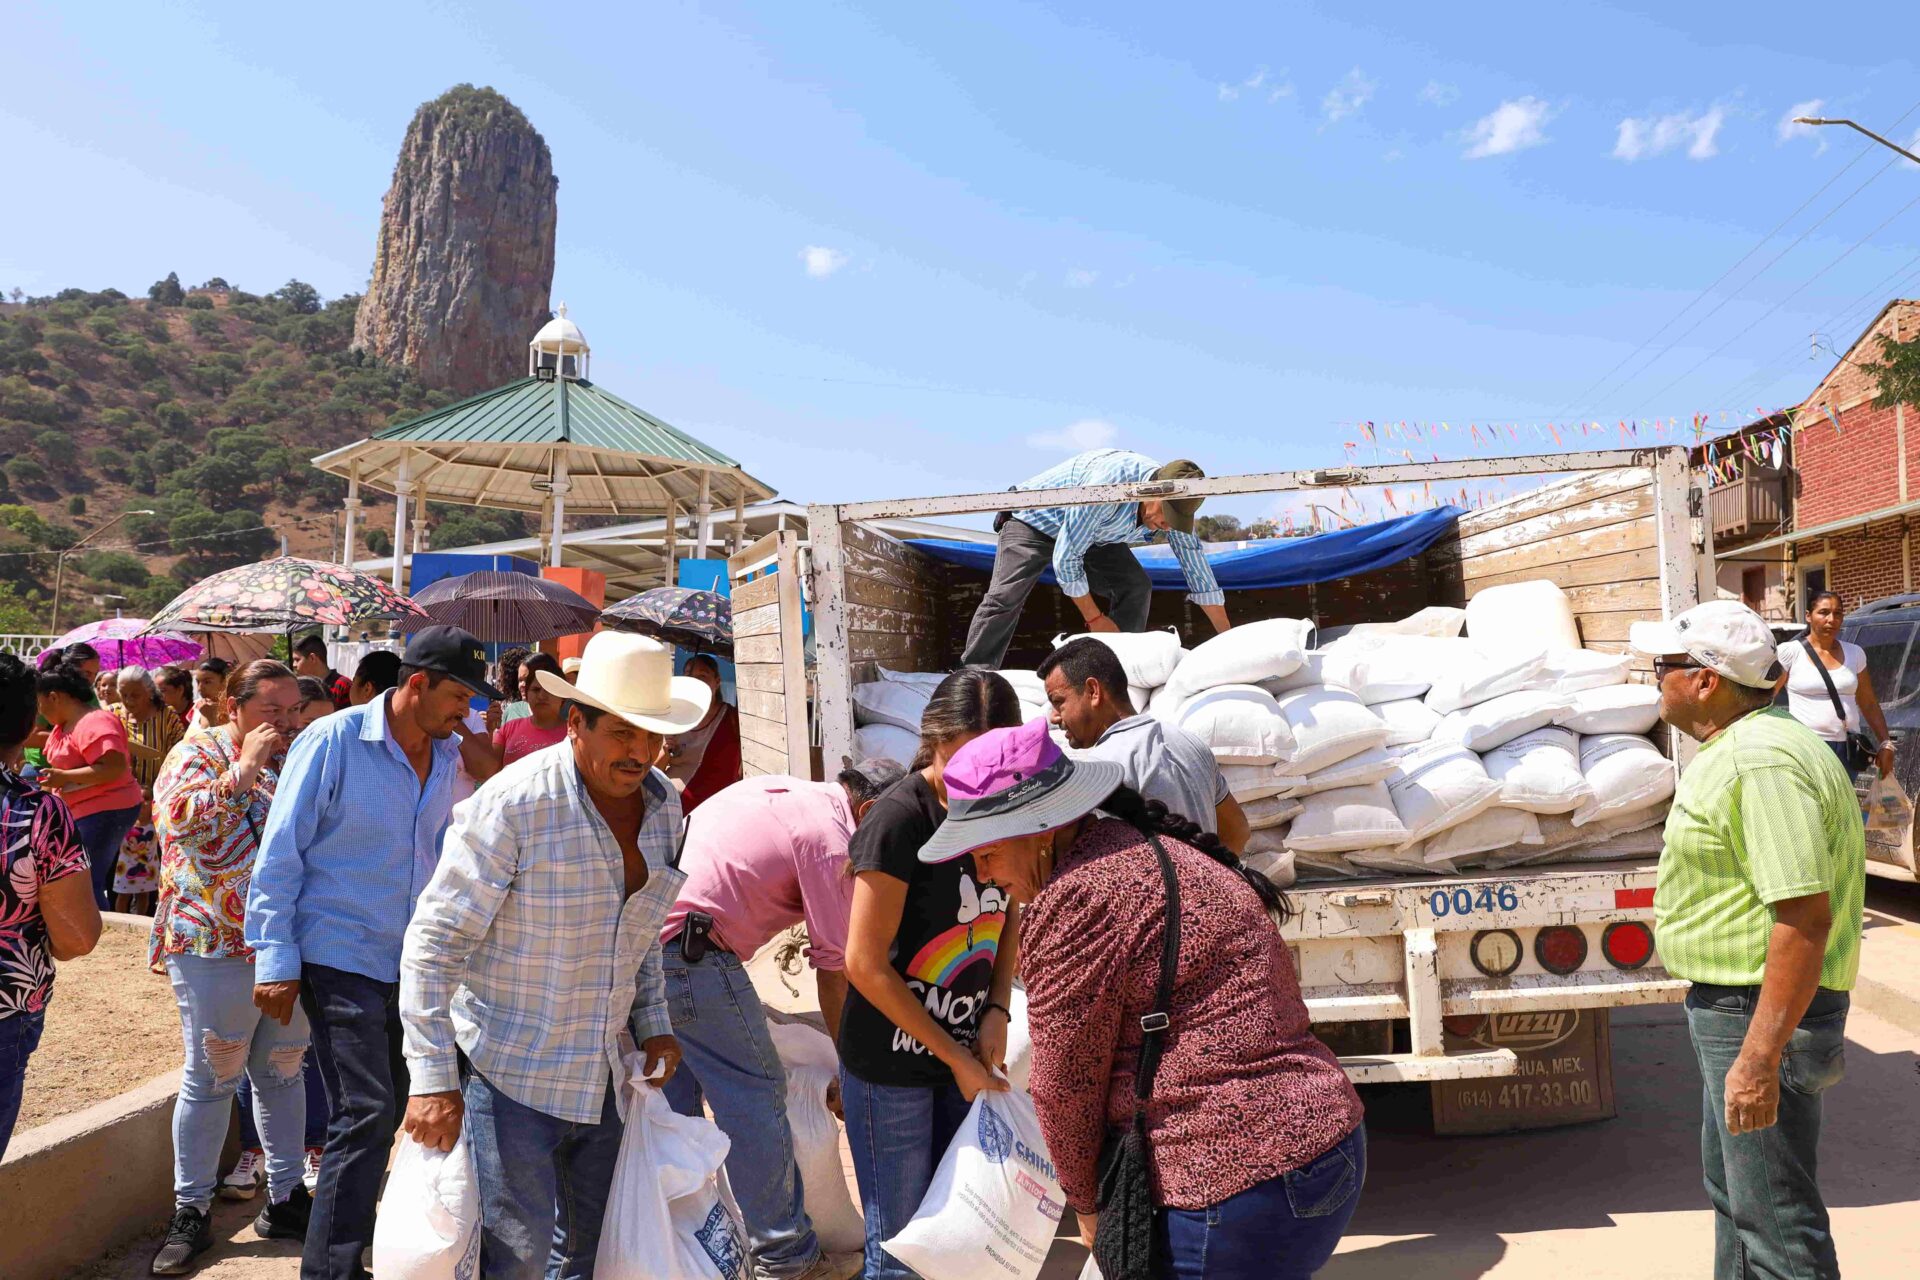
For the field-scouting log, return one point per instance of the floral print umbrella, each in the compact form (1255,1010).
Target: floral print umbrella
(698,620)
(284,595)
(120,642)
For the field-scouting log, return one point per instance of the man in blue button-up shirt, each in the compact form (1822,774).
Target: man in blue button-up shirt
(350,843)
(1089,549)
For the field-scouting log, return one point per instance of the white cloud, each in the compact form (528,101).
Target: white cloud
(1347,97)
(1077,437)
(1512,126)
(1657,135)
(1394,155)
(1275,87)
(821,261)
(1786,130)
(1440,95)
(1082,278)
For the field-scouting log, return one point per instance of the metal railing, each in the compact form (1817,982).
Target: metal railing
(24,646)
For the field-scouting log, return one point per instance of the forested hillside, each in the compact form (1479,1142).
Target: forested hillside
(200,405)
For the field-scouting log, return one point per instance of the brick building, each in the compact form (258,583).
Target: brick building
(1749,481)
(1856,504)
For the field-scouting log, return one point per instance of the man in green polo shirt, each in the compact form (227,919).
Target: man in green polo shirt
(1758,905)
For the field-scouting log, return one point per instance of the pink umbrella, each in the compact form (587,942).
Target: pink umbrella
(119,643)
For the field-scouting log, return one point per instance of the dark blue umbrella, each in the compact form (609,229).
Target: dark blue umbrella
(500,607)
(699,620)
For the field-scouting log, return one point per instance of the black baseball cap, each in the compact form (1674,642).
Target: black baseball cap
(453,652)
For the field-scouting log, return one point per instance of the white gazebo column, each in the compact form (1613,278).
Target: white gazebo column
(352,505)
(671,549)
(402,490)
(739,518)
(561,487)
(703,516)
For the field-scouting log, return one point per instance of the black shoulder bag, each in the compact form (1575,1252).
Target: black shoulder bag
(1859,749)
(1123,1244)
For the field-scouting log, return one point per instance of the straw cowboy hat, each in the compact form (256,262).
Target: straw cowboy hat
(632,677)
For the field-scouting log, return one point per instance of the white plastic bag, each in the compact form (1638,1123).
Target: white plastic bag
(1486,725)
(1888,810)
(995,1201)
(666,1216)
(812,1065)
(1349,818)
(889,702)
(429,1222)
(1571,670)
(1372,765)
(1475,671)
(1536,608)
(1327,726)
(1438,786)
(1619,708)
(1273,811)
(889,741)
(1410,721)
(1239,723)
(1148,657)
(1247,782)
(1539,771)
(1380,668)
(1247,654)
(1483,833)
(1627,774)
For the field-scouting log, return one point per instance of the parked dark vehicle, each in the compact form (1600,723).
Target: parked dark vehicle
(1887,630)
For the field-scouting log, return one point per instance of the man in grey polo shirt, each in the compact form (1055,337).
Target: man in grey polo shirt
(1087,688)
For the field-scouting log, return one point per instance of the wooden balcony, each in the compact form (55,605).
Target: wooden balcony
(1751,507)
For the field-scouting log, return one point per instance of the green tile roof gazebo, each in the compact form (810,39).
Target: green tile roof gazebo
(551,442)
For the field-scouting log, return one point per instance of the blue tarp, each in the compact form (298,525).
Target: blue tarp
(1280,562)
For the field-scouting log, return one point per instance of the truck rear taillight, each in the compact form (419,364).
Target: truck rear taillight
(1560,948)
(1495,952)
(1627,944)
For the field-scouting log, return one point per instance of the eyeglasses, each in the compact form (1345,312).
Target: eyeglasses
(1662,667)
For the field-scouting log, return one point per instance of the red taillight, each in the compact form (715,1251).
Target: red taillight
(1464,1025)
(1627,944)
(1560,948)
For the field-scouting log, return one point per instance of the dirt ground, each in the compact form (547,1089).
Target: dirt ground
(111,1025)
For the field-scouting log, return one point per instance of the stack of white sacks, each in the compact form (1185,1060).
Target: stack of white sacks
(1396,749)
(886,711)
(1400,748)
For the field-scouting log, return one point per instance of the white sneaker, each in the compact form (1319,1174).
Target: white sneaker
(244,1182)
(310,1169)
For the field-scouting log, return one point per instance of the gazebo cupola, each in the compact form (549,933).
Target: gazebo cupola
(559,348)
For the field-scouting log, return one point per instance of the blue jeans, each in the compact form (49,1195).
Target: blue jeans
(1768,1217)
(102,834)
(19,1037)
(544,1183)
(730,1058)
(317,1112)
(1282,1229)
(356,1041)
(225,1038)
(897,1134)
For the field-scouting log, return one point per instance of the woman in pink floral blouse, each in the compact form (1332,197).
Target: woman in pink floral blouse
(209,806)
(47,911)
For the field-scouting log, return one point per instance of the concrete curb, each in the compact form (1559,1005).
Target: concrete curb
(92,1181)
(1889,1004)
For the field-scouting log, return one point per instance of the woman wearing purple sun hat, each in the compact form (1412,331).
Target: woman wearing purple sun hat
(1255,1140)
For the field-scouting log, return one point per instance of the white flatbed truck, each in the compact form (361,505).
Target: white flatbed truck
(1452,977)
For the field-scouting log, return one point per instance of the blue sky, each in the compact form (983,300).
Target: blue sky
(880,249)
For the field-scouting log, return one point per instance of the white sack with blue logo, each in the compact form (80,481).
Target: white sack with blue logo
(995,1202)
(668,1215)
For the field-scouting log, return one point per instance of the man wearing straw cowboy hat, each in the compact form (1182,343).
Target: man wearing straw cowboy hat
(537,946)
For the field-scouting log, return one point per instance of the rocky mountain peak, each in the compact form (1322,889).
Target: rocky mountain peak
(463,268)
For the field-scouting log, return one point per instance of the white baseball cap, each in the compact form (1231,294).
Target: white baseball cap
(1724,636)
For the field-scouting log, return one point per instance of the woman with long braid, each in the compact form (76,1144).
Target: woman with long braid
(1255,1137)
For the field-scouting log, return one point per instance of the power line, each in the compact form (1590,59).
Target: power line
(1759,244)
(1783,302)
(1606,378)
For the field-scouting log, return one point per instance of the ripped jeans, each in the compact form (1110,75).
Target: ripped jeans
(226,1038)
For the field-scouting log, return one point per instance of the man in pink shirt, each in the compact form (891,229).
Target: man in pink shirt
(760,857)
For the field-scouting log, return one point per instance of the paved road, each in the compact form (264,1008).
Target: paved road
(1619,1197)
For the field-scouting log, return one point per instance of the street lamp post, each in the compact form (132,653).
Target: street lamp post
(60,565)
(1893,146)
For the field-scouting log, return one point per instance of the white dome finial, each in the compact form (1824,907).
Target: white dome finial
(559,345)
